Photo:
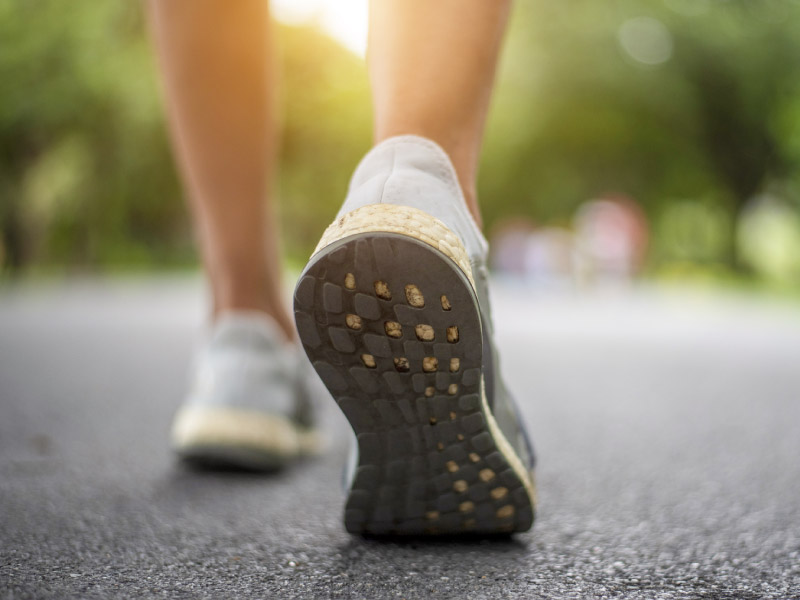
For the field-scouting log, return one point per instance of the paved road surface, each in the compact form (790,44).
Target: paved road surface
(668,429)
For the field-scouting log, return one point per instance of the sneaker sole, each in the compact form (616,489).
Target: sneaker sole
(230,438)
(392,326)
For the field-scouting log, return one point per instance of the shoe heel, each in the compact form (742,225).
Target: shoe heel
(402,220)
(388,316)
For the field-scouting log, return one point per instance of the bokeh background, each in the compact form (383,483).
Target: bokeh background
(634,138)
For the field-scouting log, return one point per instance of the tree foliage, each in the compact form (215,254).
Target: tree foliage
(586,104)
(576,116)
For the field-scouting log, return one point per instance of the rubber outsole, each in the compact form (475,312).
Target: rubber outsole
(393,329)
(230,438)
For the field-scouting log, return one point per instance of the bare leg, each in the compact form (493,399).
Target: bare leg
(432,67)
(217,71)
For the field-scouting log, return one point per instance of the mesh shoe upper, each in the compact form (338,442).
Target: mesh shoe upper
(246,364)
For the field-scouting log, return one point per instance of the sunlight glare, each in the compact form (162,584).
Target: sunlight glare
(344,20)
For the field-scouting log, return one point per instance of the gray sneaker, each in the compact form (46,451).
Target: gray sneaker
(249,404)
(393,312)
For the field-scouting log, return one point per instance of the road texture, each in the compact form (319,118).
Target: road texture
(667,426)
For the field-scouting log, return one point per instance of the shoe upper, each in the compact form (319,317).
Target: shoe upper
(412,171)
(416,172)
(247,364)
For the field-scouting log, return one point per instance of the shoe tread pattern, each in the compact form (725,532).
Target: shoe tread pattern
(428,463)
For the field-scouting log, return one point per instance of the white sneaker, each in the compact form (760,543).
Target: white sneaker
(249,404)
(393,311)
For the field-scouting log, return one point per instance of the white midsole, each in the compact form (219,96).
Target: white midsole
(504,446)
(199,426)
(405,220)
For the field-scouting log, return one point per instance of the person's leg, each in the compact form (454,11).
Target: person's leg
(217,70)
(432,67)
(248,402)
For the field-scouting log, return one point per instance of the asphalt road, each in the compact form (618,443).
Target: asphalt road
(667,426)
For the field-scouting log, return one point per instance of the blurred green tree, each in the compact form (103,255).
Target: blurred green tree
(85,167)
(681,99)
(327,127)
(692,107)
(86,175)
